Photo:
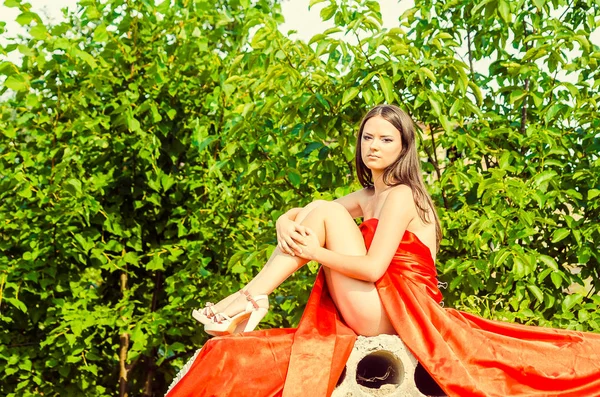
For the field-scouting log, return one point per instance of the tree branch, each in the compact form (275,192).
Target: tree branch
(470,55)
(123,371)
(123,347)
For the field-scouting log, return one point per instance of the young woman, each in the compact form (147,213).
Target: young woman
(394,195)
(378,278)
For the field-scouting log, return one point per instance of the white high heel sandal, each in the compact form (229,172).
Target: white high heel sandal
(244,321)
(205,314)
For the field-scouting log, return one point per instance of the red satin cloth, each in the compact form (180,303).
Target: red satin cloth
(467,355)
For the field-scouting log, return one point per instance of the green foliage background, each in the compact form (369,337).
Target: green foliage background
(147,150)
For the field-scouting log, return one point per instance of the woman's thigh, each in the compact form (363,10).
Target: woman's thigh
(359,304)
(357,300)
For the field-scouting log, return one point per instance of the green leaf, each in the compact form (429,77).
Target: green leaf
(32,101)
(26,17)
(238,269)
(87,58)
(549,262)
(131,258)
(518,268)
(73,187)
(556,279)
(456,106)
(12,3)
(206,142)
(313,2)
(552,111)
(583,255)
(17,303)
(446,123)
(593,193)
(155,264)
(536,291)
(388,89)
(322,101)
(156,117)
(477,93)
(436,107)
(294,178)
(539,4)
(100,33)
(516,95)
(570,301)
(16,83)
(560,234)
(544,177)
(349,94)
(132,123)
(504,10)
(167,181)
(39,32)
(428,73)
(328,12)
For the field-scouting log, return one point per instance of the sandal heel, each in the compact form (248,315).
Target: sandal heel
(241,326)
(244,321)
(255,318)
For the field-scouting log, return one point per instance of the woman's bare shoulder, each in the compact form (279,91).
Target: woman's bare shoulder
(399,192)
(355,202)
(399,196)
(364,196)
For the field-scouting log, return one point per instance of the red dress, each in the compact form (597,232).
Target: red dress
(467,355)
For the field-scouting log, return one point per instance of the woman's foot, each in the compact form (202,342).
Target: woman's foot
(204,315)
(242,315)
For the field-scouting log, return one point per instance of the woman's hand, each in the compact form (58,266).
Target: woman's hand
(288,232)
(309,244)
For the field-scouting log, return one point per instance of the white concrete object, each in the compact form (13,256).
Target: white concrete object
(383,366)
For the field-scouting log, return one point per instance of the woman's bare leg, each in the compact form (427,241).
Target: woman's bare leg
(358,301)
(224,303)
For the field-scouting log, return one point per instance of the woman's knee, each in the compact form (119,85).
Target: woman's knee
(308,208)
(314,204)
(322,208)
(332,208)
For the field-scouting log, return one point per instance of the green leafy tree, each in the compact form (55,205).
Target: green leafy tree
(147,150)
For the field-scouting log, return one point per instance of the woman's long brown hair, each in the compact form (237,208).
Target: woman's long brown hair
(406,170)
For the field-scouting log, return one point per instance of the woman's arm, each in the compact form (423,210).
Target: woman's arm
(397,212)
(352,203)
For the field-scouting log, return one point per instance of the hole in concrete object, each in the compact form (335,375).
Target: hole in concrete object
(426,384)
(380,370)
(342,377)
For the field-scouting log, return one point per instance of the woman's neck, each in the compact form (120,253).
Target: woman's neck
(378,183)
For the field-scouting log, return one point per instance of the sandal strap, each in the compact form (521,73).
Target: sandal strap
(249,298)
(220,317)
(253,299)
(209,310)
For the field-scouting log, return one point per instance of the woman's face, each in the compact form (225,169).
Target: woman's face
(380,143)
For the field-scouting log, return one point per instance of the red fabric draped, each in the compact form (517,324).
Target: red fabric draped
(467,355)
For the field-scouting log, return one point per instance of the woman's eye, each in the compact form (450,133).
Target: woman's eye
(366,138)
(387,140)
